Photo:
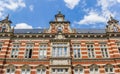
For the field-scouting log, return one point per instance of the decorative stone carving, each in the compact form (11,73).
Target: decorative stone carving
(5,25)
(60,62)
(112,25)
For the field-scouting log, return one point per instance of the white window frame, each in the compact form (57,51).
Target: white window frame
(29,47)
(14,54)
(60,71)
(41,71)
(109,72)
(43,51)
(59,49)
(10,70)
(76,48)
(104,50)
(91,54)
(79,70)
(94,70)
(25,69)
(118,46)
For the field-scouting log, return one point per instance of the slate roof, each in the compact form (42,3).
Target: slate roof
(32,31)
(91,30)
(28,30)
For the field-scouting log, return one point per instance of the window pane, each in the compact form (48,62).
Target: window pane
(106,69)
(66,70)
(53,70)
(81,70)
(8,70)
(111,69)
(0,47)
(30,53)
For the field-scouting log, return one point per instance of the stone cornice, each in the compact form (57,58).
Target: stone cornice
(95,60)
(23,60)
(67,35)
(60,65)
(58,58)
(59,40)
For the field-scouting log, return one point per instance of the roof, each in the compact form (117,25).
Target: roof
(91,30)
(34,31)
(28,30)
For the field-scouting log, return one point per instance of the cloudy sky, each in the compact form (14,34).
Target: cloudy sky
(38,13)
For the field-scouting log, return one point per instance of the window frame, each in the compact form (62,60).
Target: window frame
(25,70)
(118,46)
(56,46)
(16,49)
(79,70)
(43,48)
(11,68)
(29,47)
(77,47)
(1,46)
(93,69)
(41,72)
(108,68)
(60,70)
(91,47)
(105,50)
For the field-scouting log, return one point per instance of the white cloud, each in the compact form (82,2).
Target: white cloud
(31,7)
(11,5)
(118,1)
(92,18)
(106,6)
(71,3)
(100,13)
(23,26)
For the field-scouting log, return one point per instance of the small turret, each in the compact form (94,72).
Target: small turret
(5,25)
(59,17)
(113,25)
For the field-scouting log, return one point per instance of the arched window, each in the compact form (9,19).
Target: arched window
(41,69)
(10,69)
(59,28)
(94,69)
(109,69)
(78,69)
(25,69)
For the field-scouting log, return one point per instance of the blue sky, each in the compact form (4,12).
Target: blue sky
(38,13)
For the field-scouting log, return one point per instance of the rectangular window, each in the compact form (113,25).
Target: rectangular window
(94,71)
(15,50)
(28,52)
(104,51)
(0,46)
(118,46)
(59,50)
(41,71)
(91,53)
(43,51)
(60,71)
(76,51)
(78,71)
(109,70)
(10,71)
(25,71)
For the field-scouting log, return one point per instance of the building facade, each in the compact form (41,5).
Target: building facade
(60,49)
